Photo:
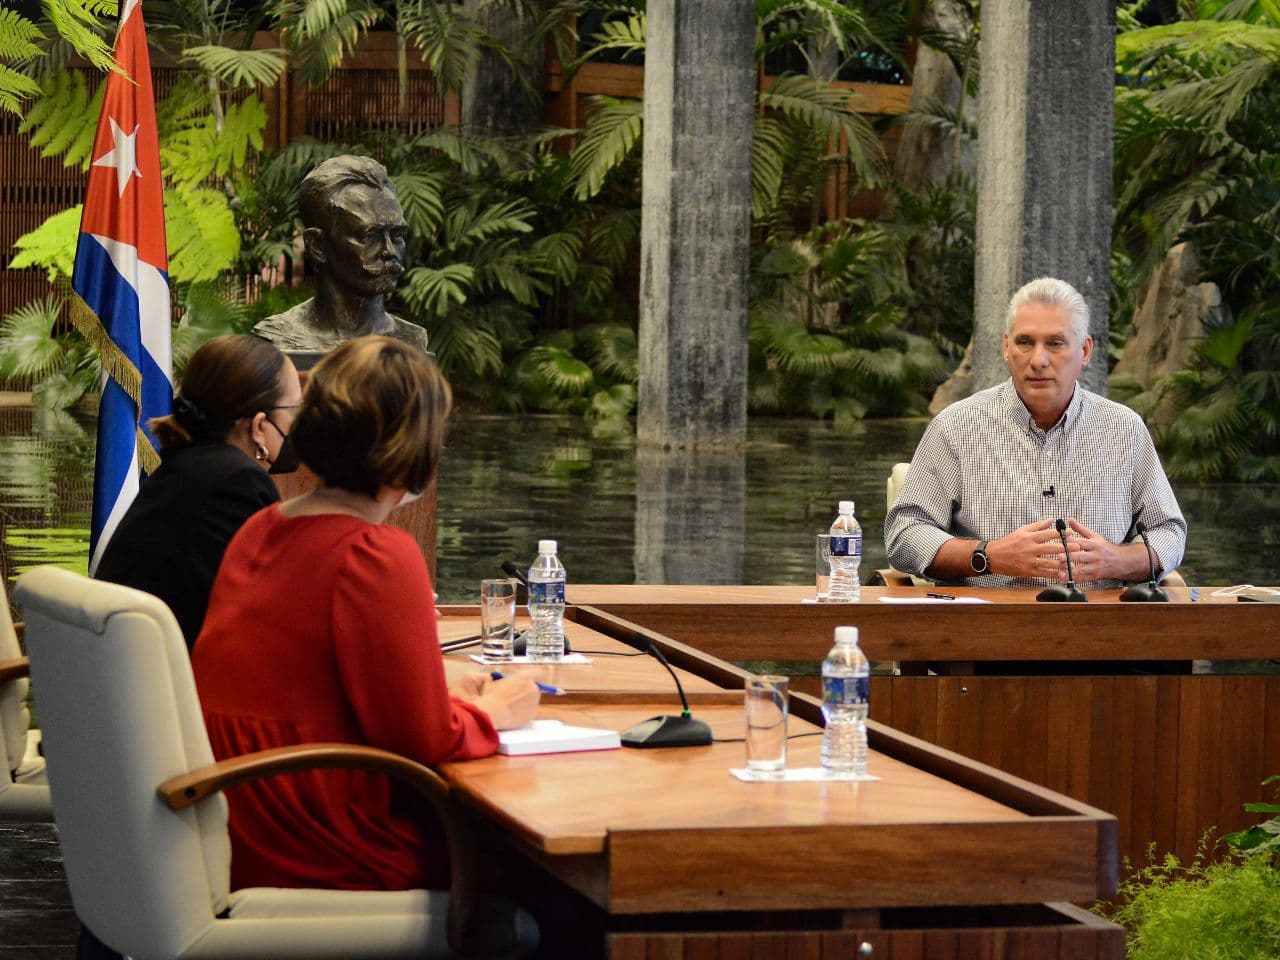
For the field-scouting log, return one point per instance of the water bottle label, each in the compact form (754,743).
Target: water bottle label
(546,592)
(846,546)
(846,691)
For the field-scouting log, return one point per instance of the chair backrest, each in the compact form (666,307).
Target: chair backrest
(896,478)
(14,717)
(119,715)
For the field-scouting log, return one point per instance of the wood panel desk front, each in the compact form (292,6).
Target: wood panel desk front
(658,835)
(1172,756)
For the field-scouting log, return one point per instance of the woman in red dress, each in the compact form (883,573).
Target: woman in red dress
(322,627)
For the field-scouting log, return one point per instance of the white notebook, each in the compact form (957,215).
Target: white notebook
(552,736)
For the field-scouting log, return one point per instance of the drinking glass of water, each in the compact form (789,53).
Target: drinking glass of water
(497,620)
(765,702)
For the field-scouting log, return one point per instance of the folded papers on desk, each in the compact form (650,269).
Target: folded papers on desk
(552,736)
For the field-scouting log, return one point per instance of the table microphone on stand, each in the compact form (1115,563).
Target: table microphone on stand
(668,731)
(1063,592)
(1149,592)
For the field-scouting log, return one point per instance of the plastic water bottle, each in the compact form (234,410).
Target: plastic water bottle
(846,556)
(846,688)
(546,605)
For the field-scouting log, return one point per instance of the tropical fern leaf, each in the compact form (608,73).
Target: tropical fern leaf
(769,146)
(15,89)
(199,149)
(320,33)
(201,233)
(611,134)
(17,38)
(465,227)
(77,22)
(51,246)
(238,68)
(461,345)
(560,254)
(56,120)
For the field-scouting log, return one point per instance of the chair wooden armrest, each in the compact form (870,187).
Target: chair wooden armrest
(13,669)
(893,578)
(187,789)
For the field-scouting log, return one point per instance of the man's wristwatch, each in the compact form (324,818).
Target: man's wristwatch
(980,562)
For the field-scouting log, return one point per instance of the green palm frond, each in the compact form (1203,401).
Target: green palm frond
(825,109)
(626,36)
(421,195)
(431,290)
(18,47)
(472,154)
(198,149)
(465,227)
(612,402)
(27,344)
(239,68)
(460,345)
(319,33)
(1212,40)
(611,134)
(15,89)
(56,120)
(560,370)
(769,148)
(613,349)
(560,254)
(448,40)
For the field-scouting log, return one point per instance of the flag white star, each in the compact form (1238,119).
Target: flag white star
(123,156)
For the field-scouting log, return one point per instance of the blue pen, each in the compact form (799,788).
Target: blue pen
(544,687)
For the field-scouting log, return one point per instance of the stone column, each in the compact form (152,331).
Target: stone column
(695,223)
(1045,122)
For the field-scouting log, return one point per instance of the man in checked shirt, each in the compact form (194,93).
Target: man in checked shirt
(995,471)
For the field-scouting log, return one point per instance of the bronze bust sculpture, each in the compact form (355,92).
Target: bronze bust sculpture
(354,234)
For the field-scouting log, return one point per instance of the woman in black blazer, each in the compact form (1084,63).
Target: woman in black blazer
(227,429)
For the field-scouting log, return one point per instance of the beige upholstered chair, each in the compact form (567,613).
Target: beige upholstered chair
(888,575)
(141,821)
(24,791)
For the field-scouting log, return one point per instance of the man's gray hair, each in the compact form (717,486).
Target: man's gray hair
(1052,293)
(320,188)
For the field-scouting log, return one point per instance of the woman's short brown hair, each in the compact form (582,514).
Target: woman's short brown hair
(228,378)
(373,415)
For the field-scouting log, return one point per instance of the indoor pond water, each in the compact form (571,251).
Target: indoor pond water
(507,481)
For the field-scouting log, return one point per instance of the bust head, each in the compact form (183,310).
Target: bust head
(353,227)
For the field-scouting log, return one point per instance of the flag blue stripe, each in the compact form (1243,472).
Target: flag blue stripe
(116,440)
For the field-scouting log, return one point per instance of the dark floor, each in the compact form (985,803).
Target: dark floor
(36,920)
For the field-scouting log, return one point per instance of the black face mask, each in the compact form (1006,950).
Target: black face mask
(286,460)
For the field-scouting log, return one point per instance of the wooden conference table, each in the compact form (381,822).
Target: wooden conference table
(940,858)
(1173,756)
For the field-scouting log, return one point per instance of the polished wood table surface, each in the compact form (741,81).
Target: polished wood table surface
(774,623)
(669,832)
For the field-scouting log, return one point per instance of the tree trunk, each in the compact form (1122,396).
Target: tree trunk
(495,101)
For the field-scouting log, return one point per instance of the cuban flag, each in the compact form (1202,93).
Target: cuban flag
(121,281)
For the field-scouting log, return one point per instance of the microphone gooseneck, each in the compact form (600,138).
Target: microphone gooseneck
(511,570)
(1149,592)
(1063,592)
(667,731)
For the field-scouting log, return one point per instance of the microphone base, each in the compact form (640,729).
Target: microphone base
(668,731)
(1144,593)
(1062,593)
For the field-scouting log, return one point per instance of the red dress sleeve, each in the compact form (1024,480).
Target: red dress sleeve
(387,654)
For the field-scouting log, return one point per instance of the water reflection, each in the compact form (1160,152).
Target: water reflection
(506,482)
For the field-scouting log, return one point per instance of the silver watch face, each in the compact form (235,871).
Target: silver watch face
(979,561)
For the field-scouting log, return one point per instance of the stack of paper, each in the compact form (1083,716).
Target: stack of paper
(552,736)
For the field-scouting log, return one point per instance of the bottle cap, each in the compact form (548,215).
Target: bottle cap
(846,634)
(846,506)
(546,546)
